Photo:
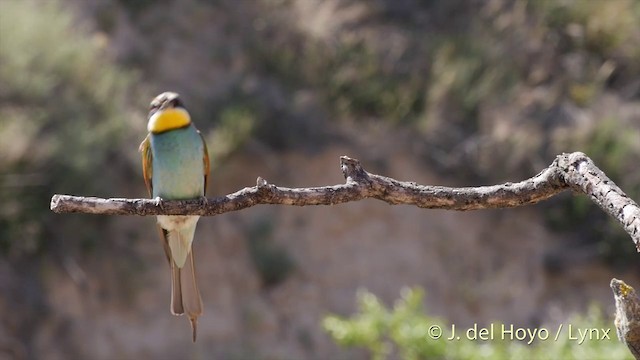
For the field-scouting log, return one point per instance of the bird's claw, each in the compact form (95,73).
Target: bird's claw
(158,202)
(204,201)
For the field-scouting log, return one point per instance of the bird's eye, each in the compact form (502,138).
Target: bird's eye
(153,108)
(177,102)
(155,105)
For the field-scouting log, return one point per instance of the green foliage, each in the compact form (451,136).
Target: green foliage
(236,125)
(465,75)
(602,39)
(352,78)
(598,26)
(404,331)
(611,148)
(64,109)
(359,84)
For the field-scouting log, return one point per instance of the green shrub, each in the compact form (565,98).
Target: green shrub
(64,109)
(405,331)
(599,26)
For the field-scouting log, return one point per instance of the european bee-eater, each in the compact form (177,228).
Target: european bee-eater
(175,165)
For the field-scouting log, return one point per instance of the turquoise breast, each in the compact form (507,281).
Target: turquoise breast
(178,168)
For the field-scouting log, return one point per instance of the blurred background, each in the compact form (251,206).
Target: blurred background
(440,92)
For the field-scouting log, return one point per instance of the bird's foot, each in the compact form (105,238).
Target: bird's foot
(158,202)
(204,201)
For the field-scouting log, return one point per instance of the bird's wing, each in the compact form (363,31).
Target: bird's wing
(147,173)
(207,164)
(147,163)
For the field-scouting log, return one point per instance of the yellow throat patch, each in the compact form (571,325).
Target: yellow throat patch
(168,119)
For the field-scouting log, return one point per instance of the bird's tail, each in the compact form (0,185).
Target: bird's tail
(185,295)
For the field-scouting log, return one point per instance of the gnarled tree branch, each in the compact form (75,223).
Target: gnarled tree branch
(574,171)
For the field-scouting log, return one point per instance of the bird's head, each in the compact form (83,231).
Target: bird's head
(167,112)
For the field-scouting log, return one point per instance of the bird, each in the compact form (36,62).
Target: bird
(175,166)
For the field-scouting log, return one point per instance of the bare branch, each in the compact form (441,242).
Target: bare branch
(574,171)
(627,318)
